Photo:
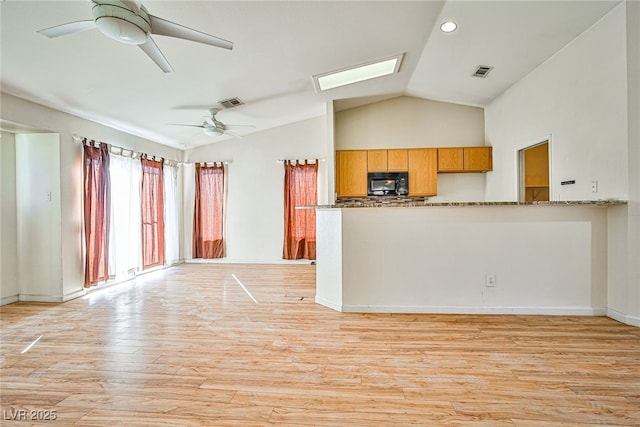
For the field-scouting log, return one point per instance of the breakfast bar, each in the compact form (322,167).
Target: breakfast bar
(413,256)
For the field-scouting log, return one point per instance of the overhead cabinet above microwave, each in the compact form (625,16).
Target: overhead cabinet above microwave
(395,160)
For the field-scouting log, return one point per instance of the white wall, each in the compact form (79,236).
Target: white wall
(255,193)
(547,259)
(633,216)
(586,98)
(408,122)
(578,98)
(9,289)
(70,253)
(329,253)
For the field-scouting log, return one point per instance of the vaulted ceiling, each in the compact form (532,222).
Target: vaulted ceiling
(278,46)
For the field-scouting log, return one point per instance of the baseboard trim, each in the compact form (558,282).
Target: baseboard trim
(73,295)
(247,261)
(549,311)
(9,300)
(39,298)
(330,304)
(623,318)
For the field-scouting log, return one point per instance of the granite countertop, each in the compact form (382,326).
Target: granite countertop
(409,202)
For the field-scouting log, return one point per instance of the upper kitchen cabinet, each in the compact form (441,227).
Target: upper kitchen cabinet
(376,160)
(397,160)
(451,159)
(423,171)
(465,159)
(351,173)
(478,159)
(394,160)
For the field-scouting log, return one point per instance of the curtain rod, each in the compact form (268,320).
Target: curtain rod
(300,160)
(135,154)
(120,150)
(225,162)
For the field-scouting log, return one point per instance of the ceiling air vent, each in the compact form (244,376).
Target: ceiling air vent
(230,102)
(482,71)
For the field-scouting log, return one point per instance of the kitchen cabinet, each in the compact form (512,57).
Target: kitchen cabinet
(351,173)
(376,160)
(397,160)
(478,159)
(451,159)
(394,160)
(423,171)
(423,165)
(465,159)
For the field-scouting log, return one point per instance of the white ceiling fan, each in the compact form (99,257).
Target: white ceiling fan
(214,127)
(129,22)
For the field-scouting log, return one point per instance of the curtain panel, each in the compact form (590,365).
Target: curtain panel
(152,213)
(300,189)
(208,214)
(97,209)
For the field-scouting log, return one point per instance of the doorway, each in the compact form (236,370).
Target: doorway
(534,173)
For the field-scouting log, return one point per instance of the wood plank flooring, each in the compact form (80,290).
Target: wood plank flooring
(189,347)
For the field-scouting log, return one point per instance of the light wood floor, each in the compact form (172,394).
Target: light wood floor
(188,346)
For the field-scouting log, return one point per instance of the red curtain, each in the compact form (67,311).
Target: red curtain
(207,217)
(97,208)
(300,189)
(152,213)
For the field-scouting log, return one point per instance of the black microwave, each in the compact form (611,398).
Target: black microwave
(388,183)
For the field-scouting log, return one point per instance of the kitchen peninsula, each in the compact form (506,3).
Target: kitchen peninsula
(413,256)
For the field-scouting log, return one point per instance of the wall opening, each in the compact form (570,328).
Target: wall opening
(534,173)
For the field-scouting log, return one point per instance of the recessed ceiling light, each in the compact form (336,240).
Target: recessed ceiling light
(448,26)
(357,73)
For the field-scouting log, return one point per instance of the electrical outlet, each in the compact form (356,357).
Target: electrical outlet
(594,186)
(490,280)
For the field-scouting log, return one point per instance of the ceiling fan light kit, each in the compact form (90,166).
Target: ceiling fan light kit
(210,130)
(122,24)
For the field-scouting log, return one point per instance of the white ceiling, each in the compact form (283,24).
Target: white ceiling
(278,46)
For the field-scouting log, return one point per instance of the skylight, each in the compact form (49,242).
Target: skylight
(357,73)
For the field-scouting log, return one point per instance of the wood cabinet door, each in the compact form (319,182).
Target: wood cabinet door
(478,159)
(397,160)
(351,173)
(451,159)
(423,171)
(376,160)
(536,166)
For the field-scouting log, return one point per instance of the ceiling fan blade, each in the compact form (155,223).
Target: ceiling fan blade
(153,51)
(193,126)
(163,27)
(239,126)
(69,28)
(133,5)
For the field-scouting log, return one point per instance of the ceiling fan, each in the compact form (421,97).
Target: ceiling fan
(129,22)
(214,127)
